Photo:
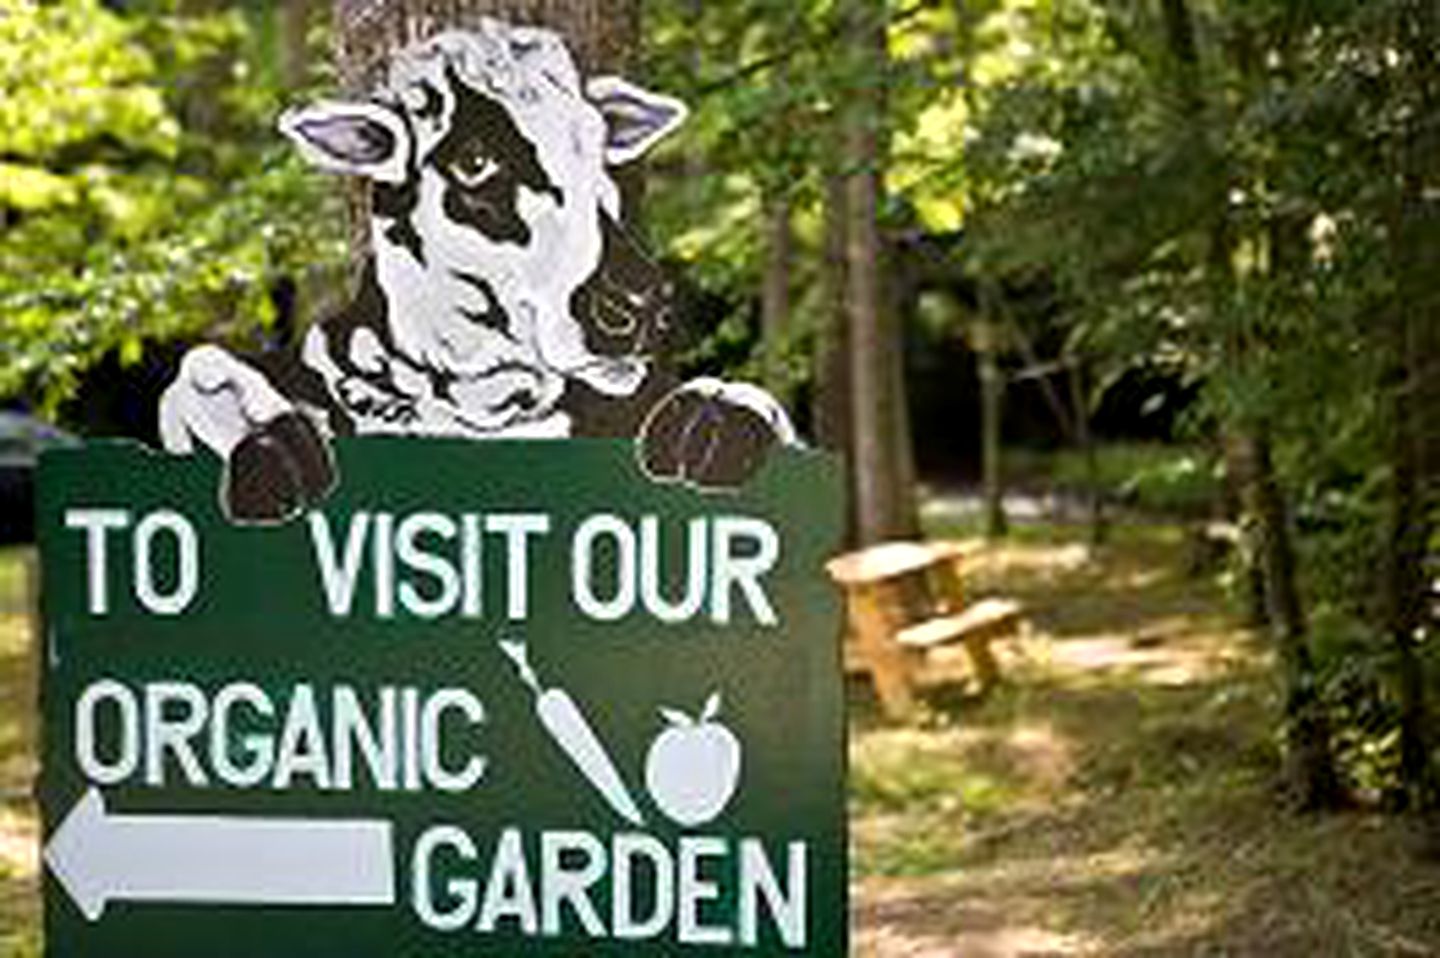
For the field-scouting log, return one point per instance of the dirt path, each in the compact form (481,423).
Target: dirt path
(1114,800)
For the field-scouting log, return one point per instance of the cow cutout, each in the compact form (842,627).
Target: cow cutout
(503,297)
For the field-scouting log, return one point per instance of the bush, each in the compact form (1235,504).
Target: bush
(1172,480)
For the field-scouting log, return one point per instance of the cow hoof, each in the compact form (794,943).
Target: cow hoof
(704,439)
(276,471)
(308,451)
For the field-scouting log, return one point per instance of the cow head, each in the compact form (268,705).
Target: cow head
(495,221)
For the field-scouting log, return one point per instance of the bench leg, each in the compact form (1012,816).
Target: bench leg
(892,688)
(987,670)
(889,664)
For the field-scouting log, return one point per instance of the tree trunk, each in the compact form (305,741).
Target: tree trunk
(1257,606)
(984,340)
(775,295)
(881,507)
(901,303)
(1406,589)
(602,35)
(1310,771)
(831,411)
(832,400)
(294,19)
(1085,441)
(902,446)
(1409,333)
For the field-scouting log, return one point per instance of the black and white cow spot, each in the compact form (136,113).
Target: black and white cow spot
(503,296)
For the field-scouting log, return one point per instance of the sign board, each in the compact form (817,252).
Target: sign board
(498,698)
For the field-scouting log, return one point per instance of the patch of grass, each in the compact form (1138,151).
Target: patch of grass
(890,776)
(14,580)
(1121,534)
(19,829)
(1153,477)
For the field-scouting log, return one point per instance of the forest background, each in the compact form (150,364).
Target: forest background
(1212,224)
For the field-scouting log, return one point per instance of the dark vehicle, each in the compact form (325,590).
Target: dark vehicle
(22,438)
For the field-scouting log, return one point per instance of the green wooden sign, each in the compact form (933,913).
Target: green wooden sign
(489,698)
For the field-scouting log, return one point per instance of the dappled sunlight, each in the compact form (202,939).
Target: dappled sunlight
(19,879)
(19,854)
(1003,559)
(1114,797)
(19,825)
(1178,661)
(18,721)
(1000,908)
(969,770)
(1046,755)
(1134,613)
(900,926)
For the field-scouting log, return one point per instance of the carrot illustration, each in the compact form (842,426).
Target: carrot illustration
(562,719)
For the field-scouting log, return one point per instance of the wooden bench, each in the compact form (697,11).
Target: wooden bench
(904,599)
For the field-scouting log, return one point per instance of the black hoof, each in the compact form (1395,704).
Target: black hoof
(277,470)
(705,440)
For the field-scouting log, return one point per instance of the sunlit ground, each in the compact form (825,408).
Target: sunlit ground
(1112,800)
(19,895)
(1115,799)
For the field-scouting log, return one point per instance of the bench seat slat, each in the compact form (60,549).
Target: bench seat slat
(986,615)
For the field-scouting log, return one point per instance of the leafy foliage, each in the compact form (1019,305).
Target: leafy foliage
(129,213)
(1224,200)
(1239,196)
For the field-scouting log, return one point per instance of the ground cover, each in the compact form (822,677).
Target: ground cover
(19,892)
(1115,799)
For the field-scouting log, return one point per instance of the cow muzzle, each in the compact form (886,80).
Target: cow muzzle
(626,307)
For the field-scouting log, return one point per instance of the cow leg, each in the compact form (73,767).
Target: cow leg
(712,434)
(275,459)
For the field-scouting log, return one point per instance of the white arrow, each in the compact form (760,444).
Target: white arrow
(99,857)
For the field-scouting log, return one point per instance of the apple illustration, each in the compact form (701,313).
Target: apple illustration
(693,766)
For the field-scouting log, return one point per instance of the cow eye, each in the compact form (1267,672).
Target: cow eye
(473,169)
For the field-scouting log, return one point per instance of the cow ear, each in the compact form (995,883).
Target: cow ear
(635,118)
(362,139)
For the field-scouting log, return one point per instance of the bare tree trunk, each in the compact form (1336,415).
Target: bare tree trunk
(1310,770)
(902,448)
(1085,440)
(881,512)
(295,18)
(1257,606)
(832,400)
(1409,522)
(984,340)
(1405,589)
(775,295)
(832,348)
(871,413)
